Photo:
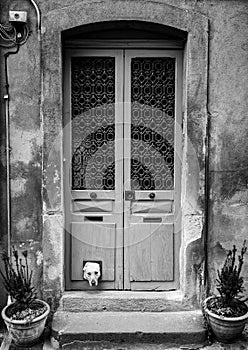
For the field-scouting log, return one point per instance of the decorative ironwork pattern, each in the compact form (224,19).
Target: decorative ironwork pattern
(93,118)
(152,118)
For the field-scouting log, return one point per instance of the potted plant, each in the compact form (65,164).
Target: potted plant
(25,316)
(227,312)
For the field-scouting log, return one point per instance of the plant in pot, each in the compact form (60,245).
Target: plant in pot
(25,316)
(227,313)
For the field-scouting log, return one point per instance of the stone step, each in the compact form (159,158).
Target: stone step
(129,327)
(96,301)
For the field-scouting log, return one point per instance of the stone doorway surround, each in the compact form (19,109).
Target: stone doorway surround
(195,81)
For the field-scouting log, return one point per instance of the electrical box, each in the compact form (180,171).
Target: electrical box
(18,16)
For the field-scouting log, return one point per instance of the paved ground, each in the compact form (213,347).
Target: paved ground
(239,345)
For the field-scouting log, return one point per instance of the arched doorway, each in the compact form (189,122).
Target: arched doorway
(122,149)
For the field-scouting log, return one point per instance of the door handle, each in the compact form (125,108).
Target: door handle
(152,195)
(93,195)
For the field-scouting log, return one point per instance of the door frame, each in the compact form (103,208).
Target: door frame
(122,112)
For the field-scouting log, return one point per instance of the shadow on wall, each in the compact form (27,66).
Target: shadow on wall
(3,295)
(195,271)
(3,233)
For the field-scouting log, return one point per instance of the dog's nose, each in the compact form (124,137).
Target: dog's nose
(93,283)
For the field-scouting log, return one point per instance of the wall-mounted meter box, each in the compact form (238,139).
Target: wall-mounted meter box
(18,16)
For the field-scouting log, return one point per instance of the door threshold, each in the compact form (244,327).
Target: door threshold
(98,300)
(170,294)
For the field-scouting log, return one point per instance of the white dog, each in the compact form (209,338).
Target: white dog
(92,273)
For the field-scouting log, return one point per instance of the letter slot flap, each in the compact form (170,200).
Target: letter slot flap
(152,220)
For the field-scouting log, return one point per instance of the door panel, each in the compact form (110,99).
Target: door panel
(143,207)
(151,252)
(93,241)
(122,167)
(89,206)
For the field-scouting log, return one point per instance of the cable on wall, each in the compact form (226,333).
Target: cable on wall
(207,184)
(38,18)
(11,37)
(7,117)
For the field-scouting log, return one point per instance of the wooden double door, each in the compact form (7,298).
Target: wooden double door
(122,147)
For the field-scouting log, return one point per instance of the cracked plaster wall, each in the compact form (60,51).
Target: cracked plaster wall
(33,227)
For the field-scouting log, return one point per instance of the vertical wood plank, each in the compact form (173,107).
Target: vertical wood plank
(162,256)
(140,252)
(118,204)
(127,170)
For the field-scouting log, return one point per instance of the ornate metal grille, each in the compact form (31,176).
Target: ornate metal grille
(93,118)
(152,118)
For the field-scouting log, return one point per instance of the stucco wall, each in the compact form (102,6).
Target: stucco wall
(25,146)
(36,227)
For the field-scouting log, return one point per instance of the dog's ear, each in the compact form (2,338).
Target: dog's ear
(85,266)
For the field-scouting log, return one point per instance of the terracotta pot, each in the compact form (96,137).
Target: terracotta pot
(26,333)
(225,329)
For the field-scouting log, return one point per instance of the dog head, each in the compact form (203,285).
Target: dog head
(92,273)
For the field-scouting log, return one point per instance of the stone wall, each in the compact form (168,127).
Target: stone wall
(35,120)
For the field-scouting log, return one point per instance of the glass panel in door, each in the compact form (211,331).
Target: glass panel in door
(93,123)
(152,123)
